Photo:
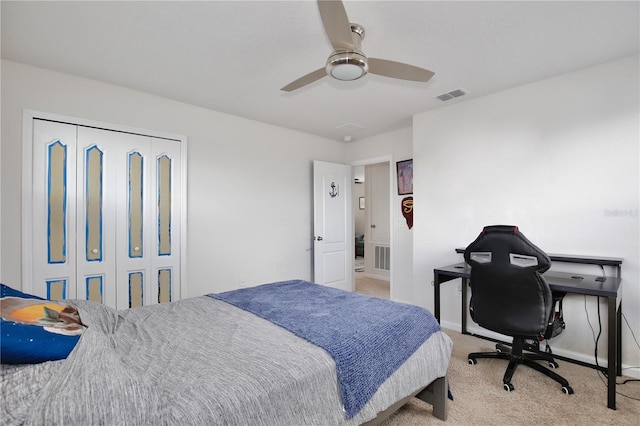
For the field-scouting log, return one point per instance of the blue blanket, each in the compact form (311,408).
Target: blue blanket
(368,338)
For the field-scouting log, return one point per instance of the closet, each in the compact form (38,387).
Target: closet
(105,213)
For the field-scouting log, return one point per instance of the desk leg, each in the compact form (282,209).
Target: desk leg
(619,337)
(612,355)
(436,296)
(465,282)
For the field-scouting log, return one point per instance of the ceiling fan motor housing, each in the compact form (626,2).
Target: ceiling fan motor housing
(347,65)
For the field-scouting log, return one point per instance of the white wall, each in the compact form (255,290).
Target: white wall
(565,151)
(396,145)
(560,159)
(249,183)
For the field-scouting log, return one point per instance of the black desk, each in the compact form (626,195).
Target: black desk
(576,283)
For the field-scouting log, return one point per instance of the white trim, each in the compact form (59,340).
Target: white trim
(377,160)
(183,218)
(379,277)
(27,185)
(27,205)
(31,114)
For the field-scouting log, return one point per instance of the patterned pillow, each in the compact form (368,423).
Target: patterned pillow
(34,329)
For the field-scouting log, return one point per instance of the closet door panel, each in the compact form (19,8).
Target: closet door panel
(54,210)
(97,197)
(166,218)
(132,157)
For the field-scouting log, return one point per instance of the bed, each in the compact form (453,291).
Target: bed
(239,357)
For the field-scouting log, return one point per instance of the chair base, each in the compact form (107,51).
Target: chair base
(514,354)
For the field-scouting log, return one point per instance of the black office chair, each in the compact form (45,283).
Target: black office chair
(510,296)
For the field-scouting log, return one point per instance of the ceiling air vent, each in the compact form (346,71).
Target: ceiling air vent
(451,95)
(347,130)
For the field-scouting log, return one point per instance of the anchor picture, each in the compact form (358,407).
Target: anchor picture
(334,190)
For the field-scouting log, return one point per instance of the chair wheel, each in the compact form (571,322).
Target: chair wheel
(508,387)
(473,361)
(567,390)
(553,365)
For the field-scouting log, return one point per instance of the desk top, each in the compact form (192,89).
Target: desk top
(572,258)
(558,281)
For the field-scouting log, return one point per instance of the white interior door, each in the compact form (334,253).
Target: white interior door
(333,248)
(377,179)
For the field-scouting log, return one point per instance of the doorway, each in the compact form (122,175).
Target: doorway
(372,226)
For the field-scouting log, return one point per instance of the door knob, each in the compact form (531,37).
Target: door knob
(373,226)
(319,238)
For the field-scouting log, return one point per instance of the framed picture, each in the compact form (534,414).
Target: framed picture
(361,206)
(405,177)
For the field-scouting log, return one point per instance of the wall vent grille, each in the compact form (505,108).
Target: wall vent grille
(382,258)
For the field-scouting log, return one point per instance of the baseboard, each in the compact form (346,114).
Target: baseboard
(378,277)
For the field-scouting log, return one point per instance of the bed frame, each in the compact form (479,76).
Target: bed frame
(436,394)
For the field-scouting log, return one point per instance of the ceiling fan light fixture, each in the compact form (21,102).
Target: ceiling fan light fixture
(347,66)
(348,62)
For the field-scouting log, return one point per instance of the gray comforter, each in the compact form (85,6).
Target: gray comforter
(193,362)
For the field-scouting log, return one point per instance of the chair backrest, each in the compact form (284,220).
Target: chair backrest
(509,294)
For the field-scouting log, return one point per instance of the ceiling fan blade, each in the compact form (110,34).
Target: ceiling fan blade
(307,79)
(336,24)
(398,70)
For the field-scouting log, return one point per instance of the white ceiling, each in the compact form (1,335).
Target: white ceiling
(234,56)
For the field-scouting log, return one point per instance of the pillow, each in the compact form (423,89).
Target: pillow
(34,329)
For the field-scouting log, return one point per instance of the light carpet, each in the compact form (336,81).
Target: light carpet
(479,398)
(372,287)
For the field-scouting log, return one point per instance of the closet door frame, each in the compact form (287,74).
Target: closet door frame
(29,115)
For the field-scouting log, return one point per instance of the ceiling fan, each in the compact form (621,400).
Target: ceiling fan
(348,62)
